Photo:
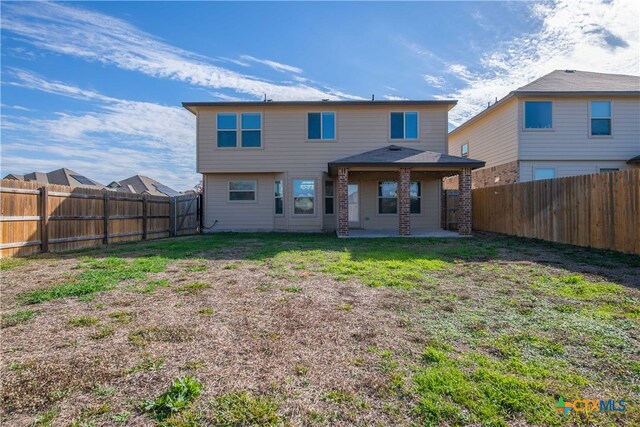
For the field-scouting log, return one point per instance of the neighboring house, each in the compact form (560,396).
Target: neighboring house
(326,165)
(565,123)
(143,185)
(62,176)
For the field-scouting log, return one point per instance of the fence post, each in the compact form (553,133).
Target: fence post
(106,217)
(172,216)
(145,208)
(44,218)
(200,217)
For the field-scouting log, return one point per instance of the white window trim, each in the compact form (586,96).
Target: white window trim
(610,136)
(524,116)
(281,181)
(321,139)
(315,197)
(420,187)
(254,191)
(239,130)
(417,138)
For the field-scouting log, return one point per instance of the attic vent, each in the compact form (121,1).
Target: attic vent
(395,148)
(569,71)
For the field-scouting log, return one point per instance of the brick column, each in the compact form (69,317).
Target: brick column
(404,202)
(464,202)
(343,202)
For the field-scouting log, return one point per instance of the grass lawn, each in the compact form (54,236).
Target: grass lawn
(297,330)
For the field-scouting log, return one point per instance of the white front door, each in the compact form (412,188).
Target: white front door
(354,206)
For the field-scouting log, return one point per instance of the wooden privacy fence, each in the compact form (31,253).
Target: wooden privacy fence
(48,218)
(600,210)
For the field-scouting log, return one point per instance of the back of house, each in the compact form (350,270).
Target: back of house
(275,165)
(563,124)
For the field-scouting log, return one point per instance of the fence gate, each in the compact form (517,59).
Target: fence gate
(450,209)
(186,214)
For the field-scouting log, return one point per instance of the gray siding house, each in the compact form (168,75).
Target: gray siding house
(325,165)
(565,123)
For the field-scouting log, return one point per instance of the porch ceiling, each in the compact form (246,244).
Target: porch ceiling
(394,157)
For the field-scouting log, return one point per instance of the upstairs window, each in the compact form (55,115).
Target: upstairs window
(227,130)
(537,115)
(600,118)
(250,130)
(404,125)
(321,125)
(464,151)
(242,191)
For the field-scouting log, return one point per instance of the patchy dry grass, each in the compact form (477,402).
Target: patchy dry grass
(284,329)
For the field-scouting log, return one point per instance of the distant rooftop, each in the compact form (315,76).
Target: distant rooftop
(403,102)
(582,81)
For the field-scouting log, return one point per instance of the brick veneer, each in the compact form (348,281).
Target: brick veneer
(404,202)
(343,202)
(464,202)
(506,173)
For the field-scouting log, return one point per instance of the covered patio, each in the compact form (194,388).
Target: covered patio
(402,165)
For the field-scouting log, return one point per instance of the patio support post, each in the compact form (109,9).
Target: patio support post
(464,202)
(404,202)
(343,202)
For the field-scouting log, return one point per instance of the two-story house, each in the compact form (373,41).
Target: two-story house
(327,165)
(565,123)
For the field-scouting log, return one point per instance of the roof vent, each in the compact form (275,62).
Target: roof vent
(394,148)
(569,71)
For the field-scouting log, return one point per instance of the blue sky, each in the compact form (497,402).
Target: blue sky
(96,86)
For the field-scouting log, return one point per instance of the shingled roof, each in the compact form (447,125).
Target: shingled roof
(574,81)
(394,155)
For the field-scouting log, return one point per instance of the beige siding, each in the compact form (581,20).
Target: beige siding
(493,138)
(429,217)
(236,215)
(285,147)
(570,137)
(568,168)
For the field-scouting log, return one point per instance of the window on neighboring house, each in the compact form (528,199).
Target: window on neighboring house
(227,130)
(544,173)
(329,198)
(404,125)
(242,191)
(321,125)
(600,118)
(464,150)
(304,196)
(604,170)
(279,200)
(537,115)
(250,128)
(388,197)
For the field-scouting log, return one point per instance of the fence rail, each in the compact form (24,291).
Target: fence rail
(43,218)
(600,210)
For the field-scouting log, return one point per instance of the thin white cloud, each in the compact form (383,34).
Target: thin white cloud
(583,35)
(98,37)
(120,139)
(273,64)
(435,81)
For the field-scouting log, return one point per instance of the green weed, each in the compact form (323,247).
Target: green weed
(245,409)
(176,399)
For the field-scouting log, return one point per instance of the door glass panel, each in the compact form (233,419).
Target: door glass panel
(354,204)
